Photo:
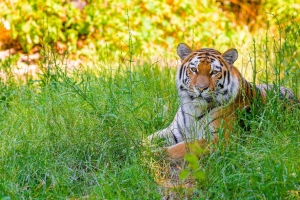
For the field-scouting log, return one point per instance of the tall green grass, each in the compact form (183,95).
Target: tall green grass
(258,164)
(79,134)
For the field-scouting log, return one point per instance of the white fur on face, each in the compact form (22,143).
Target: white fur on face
(216,65)
(195,62)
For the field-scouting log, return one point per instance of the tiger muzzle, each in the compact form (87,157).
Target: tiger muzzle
(201,88)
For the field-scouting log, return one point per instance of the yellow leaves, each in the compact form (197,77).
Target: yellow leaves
(162,24)
(294,54)
(294,194)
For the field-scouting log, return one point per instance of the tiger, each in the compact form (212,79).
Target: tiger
(211,89)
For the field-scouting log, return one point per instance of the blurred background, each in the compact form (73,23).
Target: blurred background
(123,31)
(154,27)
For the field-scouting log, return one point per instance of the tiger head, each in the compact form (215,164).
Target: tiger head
(206,75)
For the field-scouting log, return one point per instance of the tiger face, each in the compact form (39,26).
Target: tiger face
(205,75)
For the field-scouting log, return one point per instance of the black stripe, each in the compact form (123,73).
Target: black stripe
(231,88)
(184,120)
(213,57)
(175,138)
(214,120)
(180,73)
(224,77)
(206,113)
(218,67)
(228,77)
(185,81)
(192,97)
(214,132)
(220,76)
(180,132)
(182,88)
(200,117)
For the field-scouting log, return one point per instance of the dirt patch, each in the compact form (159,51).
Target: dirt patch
(171,187)
(23,67)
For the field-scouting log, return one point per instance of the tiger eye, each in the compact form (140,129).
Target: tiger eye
(193,69)
(214,72)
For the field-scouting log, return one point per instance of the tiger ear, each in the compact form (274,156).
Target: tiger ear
(230,56)
(183,51)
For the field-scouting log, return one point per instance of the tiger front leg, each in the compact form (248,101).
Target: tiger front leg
(208,133)
(178,151)
(175,133)
(165,134)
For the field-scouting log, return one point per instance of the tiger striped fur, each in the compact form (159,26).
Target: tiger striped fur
(210,89)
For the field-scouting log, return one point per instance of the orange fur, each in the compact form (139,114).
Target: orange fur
(204,75)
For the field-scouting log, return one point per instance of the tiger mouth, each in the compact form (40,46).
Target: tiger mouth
(208,99)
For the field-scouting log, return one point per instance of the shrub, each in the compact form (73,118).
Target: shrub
(153,25)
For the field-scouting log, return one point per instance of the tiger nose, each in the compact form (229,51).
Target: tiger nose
(202,88)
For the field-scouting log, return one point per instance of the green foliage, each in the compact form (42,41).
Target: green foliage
(259,163)
(193,168)
(35,21)
(106,23)
(79,135)
(155,26)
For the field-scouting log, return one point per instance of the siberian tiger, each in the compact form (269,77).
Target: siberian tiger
(211,89)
